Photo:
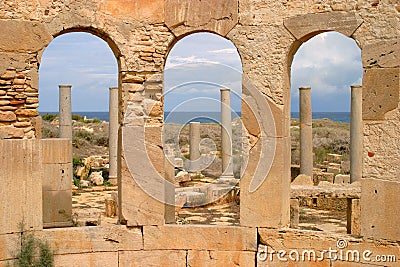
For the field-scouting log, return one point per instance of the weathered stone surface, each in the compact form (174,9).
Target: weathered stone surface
(93,239)
(220,258)
(26,36)
(306,26)
(249,120)
(342,179)
(27,112)
(353,216)
(143,10)
(153,258)
(7,116)
(21,178)
(380,92)
(87,259)
(276,213)
(325,191)
(184,16)
(202,237)
(10,132)
(382,54)
(303,180)
(379,199)
(9,245)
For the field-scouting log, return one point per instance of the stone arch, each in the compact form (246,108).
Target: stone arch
(49,211)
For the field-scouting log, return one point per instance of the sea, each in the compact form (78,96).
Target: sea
(211,117)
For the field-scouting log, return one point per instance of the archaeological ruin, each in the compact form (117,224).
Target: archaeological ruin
(36,173)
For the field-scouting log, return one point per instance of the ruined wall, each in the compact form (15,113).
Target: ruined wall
(267,34)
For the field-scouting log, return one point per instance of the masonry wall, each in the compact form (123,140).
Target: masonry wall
(267,34)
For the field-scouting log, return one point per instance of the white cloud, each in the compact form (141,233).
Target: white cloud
(224,51)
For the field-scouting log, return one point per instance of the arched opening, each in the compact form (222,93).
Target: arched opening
(87,65)
(329,63)
(200,114)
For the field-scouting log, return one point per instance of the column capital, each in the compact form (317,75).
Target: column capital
(305,88)
(355,86)
(113,88)
(224,89)
(64,86)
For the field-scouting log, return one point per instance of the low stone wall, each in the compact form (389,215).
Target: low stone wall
(170,245)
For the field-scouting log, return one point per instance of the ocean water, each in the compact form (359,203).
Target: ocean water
(212,117)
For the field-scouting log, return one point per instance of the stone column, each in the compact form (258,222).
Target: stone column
(113,136)
(64,112)
(306,146)
(356,134)
(194,142)
(226,133)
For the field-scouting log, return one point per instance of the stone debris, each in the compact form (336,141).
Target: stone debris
(303,180)
(96,178)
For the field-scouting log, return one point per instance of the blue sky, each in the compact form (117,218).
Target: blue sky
(197,66)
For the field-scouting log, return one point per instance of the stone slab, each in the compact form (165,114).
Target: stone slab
(57,208)
(143,10)
(265,192)
(204,258)
(379,209)
(20,197)
(381,54)
(202,237)
(26,36)
(57,176)
(97,259)
(10,244)
(153,258)
(184,16)
(325,191)
(380,92)
(66,241)
(57,150)
(306,26)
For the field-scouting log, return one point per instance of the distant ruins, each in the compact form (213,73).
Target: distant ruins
(36,173)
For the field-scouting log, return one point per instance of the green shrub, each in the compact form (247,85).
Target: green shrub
(34,252)
(49,117)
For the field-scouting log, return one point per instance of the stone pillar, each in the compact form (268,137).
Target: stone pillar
(356,134)
(113,136)
(194,142)
(306,146)
(226,133)
(64,112)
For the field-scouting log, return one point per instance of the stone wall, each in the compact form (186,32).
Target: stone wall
(267,34)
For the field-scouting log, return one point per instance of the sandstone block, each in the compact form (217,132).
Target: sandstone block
(11,132)
(303,26)
(379,200)
(9,244)
(97,259)
(184,16)
(153,258)
(4,102)
(93,239)
(220,258)
(202,237)
(27,112)
(7,116)
(382,54)
(26,36)
(303,180)
(140,10)
(380,92)
(342,179)
(20,174)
